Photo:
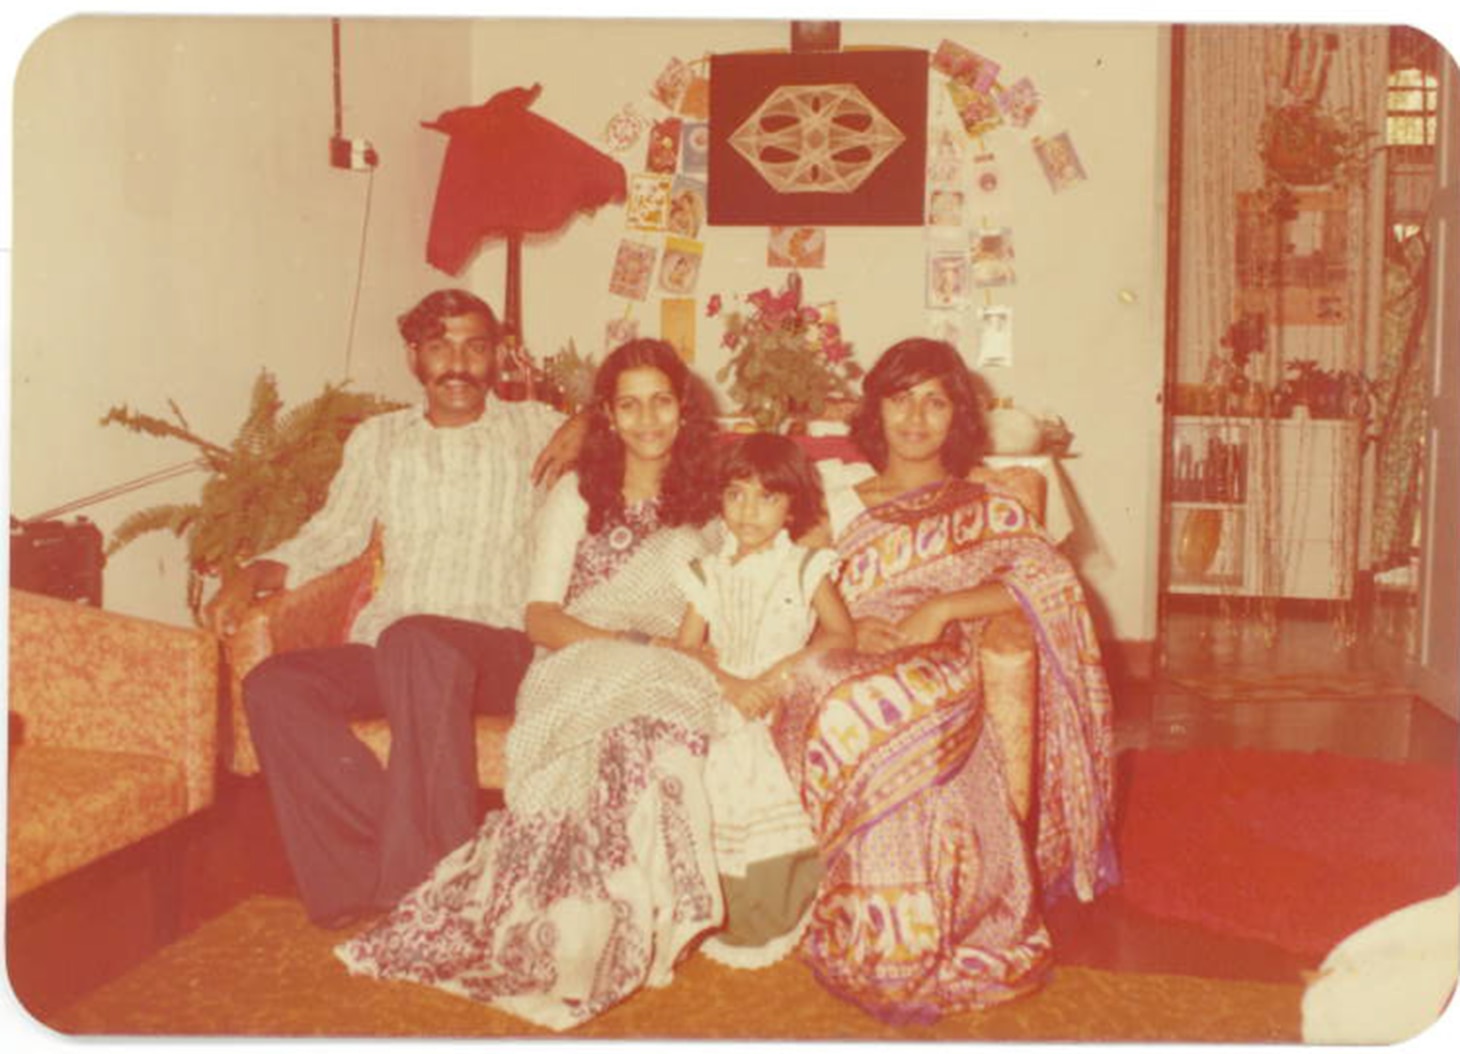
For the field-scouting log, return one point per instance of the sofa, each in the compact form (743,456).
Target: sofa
(320,612)
(113,734)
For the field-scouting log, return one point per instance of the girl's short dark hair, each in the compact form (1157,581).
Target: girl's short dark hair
(906,364)
(782,467)
(683,497)
(427,320)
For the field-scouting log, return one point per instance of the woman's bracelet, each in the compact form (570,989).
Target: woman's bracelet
(634,636)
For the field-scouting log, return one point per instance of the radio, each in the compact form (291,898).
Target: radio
(57,558)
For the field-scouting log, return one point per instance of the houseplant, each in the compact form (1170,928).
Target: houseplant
(262,487)
(787,358)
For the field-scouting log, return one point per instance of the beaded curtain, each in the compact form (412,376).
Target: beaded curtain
(1234,76)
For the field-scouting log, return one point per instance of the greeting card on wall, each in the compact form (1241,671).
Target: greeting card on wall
(633,265)
(617,331)
(648,205)
(977,110)
(624,128)
(946,326)
(991,256)
(1020,103)
(694,104)
(796,247)
(694,148)
(994,328)
(945,157)
(947,278)
(823,138)
(1060,162)
(686,207)
(670,85)
(945,207)
(663,151)
(965,66)
(680,268)
(677,325)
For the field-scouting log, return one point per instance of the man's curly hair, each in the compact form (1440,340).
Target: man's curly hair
(683,495)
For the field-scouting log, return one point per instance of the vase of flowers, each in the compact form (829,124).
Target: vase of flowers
(788,360)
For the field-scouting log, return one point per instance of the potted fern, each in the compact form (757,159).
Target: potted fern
(262,487)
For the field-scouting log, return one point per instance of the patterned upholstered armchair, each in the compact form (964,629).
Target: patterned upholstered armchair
(113,729)
(321,611)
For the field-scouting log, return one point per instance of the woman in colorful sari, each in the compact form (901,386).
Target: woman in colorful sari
(931,899)
(600,870)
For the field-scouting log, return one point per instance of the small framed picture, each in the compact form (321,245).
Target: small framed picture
(1060,162)
(947,278)
(679,270)
(796,247)
(633,266)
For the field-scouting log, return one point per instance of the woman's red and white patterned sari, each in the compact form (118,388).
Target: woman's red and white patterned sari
(932,895)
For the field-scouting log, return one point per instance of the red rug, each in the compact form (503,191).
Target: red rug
(1292,848)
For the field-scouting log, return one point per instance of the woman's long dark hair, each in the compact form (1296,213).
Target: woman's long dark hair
(683,494)
(911,362)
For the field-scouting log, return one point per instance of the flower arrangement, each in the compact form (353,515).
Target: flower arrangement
(787,358)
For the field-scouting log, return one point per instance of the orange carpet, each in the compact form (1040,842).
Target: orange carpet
(262,969)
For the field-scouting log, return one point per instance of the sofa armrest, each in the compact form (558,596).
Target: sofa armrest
(92,679)
(314,614)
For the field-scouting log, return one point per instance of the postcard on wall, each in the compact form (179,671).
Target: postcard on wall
(624,128)
(694,148)
(947,278)
(648,206)
(991,256)
(945,157)
(662,154)
(945,207)
(946,326)
(1060,162)
(1019,103)
(618,331)
(994,330)
(679,271)
(694,104)
(796,247)
(670,85)
(965,66)
(677,325)
(633,266)
(978,111)
(686,207)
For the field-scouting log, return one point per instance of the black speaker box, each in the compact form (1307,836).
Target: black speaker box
(58,559)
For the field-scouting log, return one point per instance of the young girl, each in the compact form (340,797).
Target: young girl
(758,601)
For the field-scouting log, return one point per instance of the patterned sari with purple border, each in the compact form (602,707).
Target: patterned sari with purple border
(931,903)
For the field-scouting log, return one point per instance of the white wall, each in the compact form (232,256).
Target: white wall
(176,228)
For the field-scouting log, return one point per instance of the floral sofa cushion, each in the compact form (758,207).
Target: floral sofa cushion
(69,807)
(114,732)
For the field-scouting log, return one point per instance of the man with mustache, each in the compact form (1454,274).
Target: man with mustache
(450,485)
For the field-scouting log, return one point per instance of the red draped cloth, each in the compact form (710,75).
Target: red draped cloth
(508,171)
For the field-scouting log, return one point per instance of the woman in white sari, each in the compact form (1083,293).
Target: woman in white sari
(600,871)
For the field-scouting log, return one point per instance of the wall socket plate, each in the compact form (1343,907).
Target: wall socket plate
(357,155)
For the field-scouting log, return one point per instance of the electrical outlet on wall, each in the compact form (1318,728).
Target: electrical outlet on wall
(358,155)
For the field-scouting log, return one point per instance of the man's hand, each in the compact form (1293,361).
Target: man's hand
(561,451)
(237,593)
